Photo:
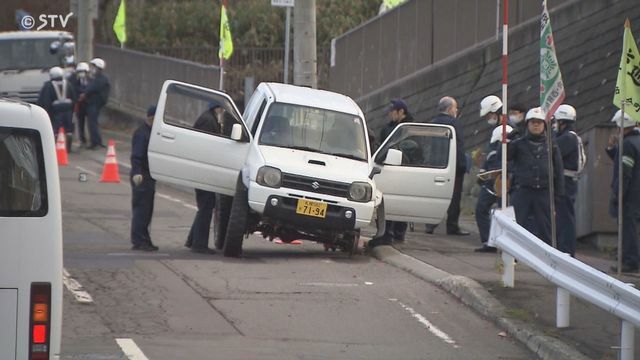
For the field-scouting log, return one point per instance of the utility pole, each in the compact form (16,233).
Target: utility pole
(84,36)
(304,44)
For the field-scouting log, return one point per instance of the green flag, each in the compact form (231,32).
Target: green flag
(551,86)
(226,44)
(628,83)
(120,24)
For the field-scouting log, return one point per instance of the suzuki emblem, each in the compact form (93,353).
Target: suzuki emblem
(315,185)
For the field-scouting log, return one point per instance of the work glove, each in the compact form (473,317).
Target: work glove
(137,179)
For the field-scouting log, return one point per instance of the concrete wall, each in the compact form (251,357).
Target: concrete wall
(136,78)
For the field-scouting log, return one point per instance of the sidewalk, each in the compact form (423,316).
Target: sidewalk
(526,311)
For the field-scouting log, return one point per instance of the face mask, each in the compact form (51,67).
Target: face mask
(555,127)
(515,119)
(492,121)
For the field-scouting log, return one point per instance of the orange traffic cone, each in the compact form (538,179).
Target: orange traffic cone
(61,148)
(110,171)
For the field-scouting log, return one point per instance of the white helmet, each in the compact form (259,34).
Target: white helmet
(56,72)
(565,112)
(490,104)
(82,66)
(496,135)
(97,62)
(628,122)
(535,113)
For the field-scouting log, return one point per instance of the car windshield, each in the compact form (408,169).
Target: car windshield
(316,130)
(22,54)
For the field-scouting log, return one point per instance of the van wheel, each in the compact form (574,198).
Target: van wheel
(221,219)
(237,222)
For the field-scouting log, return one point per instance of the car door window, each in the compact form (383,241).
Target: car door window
(191,108)
(420,146)
(256,119)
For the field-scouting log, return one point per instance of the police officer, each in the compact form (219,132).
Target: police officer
(630,187)
(567,142)
(516,115)
(96,96)
(57,97)
(398,113)
(80,80)
(530,155)
(143,187)
(490,109)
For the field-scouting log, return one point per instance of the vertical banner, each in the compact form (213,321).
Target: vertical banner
(551,87)
(628,83)
(120,23)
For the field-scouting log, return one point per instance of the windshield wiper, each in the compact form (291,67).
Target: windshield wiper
(348,156)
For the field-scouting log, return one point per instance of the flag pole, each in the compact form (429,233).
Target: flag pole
(221,74)
(620,174)
(505,63)
(552,203)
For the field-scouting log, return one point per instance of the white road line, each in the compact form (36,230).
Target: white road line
(131,350)
(183,203)
(87,171)
(428,325)
(75,288)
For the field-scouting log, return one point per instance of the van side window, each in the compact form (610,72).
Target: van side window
(256,120)
(23,186)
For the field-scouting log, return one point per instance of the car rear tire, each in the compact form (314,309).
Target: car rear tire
(237,224)
(221,220)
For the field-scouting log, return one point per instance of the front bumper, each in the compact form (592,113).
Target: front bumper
(285,212)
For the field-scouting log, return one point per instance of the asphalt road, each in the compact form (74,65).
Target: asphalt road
(277,302)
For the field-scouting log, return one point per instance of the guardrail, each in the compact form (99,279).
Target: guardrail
(570,275)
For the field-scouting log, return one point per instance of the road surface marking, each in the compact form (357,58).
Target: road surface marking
(328,284)
(75,288)
(131,350)
(428,325)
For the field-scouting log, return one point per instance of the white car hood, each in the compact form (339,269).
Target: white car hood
(297,162)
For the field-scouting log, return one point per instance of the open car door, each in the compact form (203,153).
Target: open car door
(191,139)
(420,188)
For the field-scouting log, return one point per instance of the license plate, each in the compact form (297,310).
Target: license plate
(311,208)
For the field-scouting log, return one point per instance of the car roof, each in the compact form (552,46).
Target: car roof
(45,34)
(300,95)
(20,114)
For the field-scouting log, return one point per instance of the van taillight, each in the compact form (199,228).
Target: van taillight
(39,321)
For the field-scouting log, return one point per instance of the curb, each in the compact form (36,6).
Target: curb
(474,295)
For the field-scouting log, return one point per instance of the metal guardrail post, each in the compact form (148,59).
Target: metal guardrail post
(508,271)
(626,341)
(563,308)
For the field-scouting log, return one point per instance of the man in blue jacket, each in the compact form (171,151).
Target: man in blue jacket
(143,187)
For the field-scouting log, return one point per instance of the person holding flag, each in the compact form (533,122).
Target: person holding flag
(226,43)
(625,186)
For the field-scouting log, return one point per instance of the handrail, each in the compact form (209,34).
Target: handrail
(568,273)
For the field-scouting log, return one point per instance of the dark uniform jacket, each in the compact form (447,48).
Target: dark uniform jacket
(48,98)
(388,129)
(529,157)
(97,92)
(630,177)
(139,147)
(568,144)
(461,159)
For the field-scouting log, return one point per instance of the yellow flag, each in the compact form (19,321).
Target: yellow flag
(120,24)
(628,84)
(226,44)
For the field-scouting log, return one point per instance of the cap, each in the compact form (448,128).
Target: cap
(151,111)
(535,113)
(397,104)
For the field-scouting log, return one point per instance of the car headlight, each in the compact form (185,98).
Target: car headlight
(269,176)
(360,191)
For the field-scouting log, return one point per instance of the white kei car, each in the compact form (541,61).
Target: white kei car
(298,164)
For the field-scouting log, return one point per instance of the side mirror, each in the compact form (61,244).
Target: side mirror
(394,157)
(236,132)
(375,171)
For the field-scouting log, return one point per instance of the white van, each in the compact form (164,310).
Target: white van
(298,164)
(30,235)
